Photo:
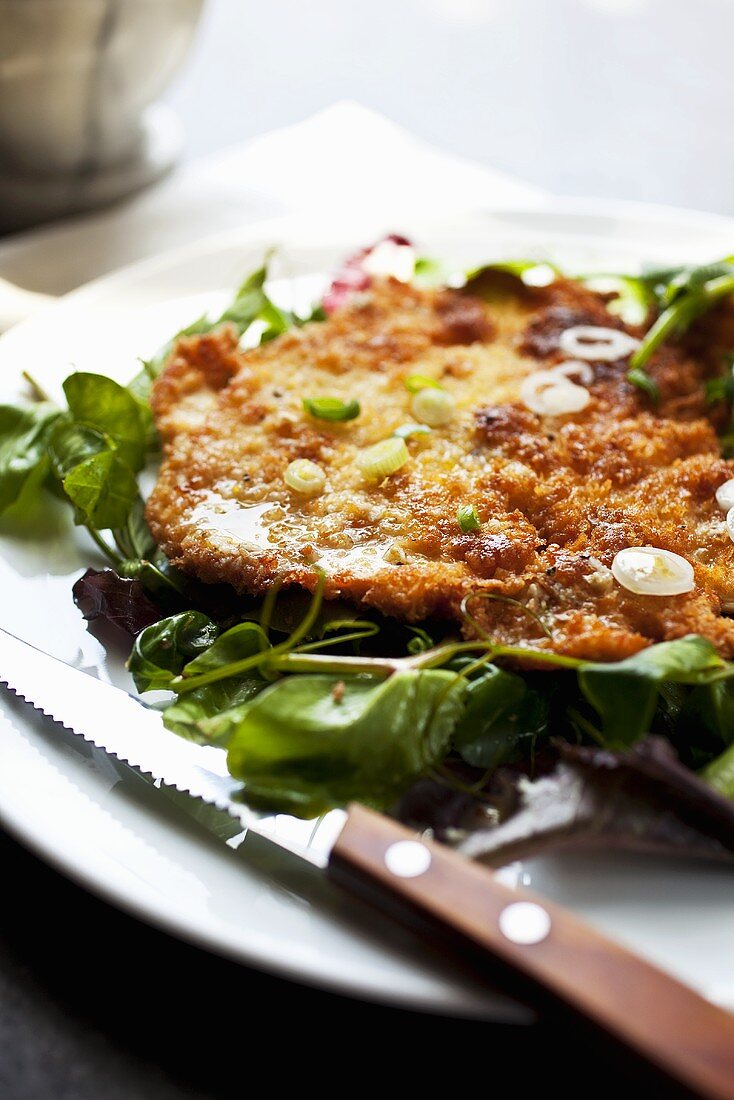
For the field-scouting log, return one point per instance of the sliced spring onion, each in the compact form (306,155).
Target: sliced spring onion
(730,523)
(433,407)
(649,571)
(577,367)
(468,518)
(551,394)
(725,495)
(596,342)
(383,458)
(405,431)
(331,408)
(305,476)
(414,383)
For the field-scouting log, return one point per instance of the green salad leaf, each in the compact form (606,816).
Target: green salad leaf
(162,650)
(70,444)
(102,489)
(496,280)
(488,731)
(720,773)
(134,538)
(682,295)
(106,407)
(24,435)
(236,644)
(209,714)
(308,743)
(429,272)
(625,693)
(251,303)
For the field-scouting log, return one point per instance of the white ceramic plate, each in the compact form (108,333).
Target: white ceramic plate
(106,828)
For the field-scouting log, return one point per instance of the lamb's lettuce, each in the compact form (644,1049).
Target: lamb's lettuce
(162,650)
(625,693)
(309,743)
(24,435)
(720,773)
(106,407)
(102,489)
(209,714)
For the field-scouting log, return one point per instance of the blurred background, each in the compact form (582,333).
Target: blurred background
(599,98)
(614,98)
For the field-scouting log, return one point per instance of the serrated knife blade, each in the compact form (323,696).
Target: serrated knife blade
(560,961)
(125,727)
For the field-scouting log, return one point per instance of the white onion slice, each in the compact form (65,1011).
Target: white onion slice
(596,342)
(549,393)
(577,367)
(730,523)
(725,495)
(390,258)
(649,571)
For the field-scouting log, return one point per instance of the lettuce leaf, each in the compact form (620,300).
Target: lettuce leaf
(309,743)
(625,693)
(24,434)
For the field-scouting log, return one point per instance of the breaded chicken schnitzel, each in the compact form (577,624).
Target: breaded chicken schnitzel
(554,498)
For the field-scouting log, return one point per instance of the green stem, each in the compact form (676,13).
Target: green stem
(680,314)
(540,656)
(327,664)
(38,391)
(339,639)
(182,684)
(330,664)
(286,658)
(107,550)
(586,726)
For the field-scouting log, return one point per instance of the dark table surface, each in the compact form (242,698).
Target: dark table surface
(618,98)
(96,1006)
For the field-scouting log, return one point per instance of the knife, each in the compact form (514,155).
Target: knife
(559,961)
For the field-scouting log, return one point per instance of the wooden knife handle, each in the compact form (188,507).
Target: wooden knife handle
(560,959)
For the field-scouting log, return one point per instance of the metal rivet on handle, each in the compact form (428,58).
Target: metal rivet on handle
(407,858)
(524,922)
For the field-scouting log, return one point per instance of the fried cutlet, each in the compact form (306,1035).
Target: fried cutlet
(557,497)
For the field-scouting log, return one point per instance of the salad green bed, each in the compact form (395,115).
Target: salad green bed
(314,704)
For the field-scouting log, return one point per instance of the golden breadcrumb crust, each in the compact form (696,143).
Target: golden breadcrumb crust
(557,497)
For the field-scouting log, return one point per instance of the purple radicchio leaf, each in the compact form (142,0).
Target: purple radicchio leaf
(351,278)
(102,594)
(642,800)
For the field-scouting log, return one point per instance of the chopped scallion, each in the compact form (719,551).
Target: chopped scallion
(468,518)
(405,431)
(383,458)
(414,383)
(331,408)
